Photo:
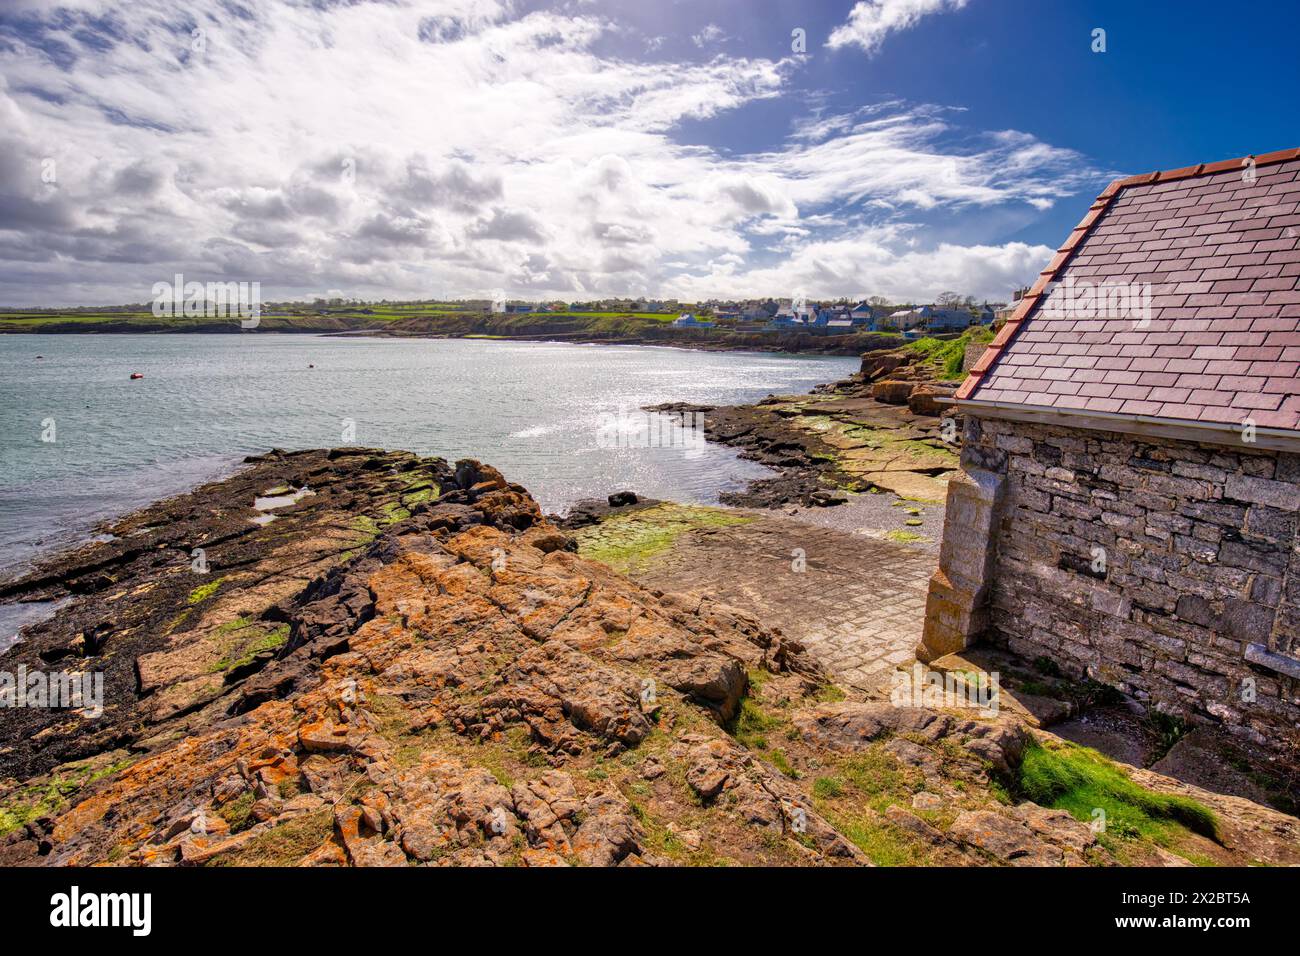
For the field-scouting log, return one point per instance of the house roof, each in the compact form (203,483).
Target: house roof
(952,315)
(1209,259)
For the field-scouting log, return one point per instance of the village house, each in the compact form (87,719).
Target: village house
(865,316)
(900,320)
(688,321)
(798,312)
(936,319)
(791,316)
(1129,490)
(933,318)
(1004,311)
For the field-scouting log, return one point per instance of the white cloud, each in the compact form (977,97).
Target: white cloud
(857,267)
(870,21)
(453,147)
(710,35)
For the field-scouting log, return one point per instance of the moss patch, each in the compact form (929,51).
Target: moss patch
(205,591)
(830,694)
(884,843)
(53,794)
(1080,780)
(238,813)
(854,793)
(244,641)
(629,542)
(366,526)
(870,452)
(828,788)
(419,495)
(392,513)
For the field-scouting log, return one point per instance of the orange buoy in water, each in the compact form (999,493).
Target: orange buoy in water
(135,375)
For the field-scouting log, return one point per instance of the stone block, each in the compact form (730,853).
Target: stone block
(1282,663)
(892,392)
(954,616)
(1263,491)
(930,399)
(1272,523)
(1266,590)
(1247,621)
(1197,610)
(1239,554)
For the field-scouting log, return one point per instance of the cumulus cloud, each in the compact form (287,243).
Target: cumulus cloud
(871,21)
(453,147)
(454,186)
(509,226)
(858,267)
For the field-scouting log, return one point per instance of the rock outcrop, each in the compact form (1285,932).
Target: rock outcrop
(448,685)
(410,665)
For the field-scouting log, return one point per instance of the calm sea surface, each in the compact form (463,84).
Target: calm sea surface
(534,410)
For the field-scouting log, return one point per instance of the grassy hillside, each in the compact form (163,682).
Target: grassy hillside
(450,320)
(946,357)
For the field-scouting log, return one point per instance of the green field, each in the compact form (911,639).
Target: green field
(445,320)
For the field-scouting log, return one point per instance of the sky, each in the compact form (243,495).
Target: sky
(574,150)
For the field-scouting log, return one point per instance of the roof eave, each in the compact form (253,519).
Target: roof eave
(1175,429)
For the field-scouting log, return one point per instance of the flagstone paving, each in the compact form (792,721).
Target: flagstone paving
(855,601)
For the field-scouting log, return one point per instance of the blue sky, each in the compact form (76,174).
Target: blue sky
(567,150)
(1179,82)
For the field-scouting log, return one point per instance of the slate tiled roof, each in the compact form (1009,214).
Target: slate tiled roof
(1217,249)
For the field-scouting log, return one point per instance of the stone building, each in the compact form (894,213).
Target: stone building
(1130,483)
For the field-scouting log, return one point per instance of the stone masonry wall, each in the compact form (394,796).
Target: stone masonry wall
(1150,565)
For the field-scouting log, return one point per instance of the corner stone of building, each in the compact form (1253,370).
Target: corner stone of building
(955,612)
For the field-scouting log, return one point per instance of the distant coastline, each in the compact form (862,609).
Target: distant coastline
(572,327)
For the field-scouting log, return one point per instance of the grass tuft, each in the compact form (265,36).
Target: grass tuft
(751,725)
(238,813)
(283,845)
(1080,781)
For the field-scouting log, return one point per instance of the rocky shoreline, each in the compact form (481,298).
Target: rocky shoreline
(778,343)
(879,430)
(359,657)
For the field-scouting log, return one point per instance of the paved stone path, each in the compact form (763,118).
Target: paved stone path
(858,606)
